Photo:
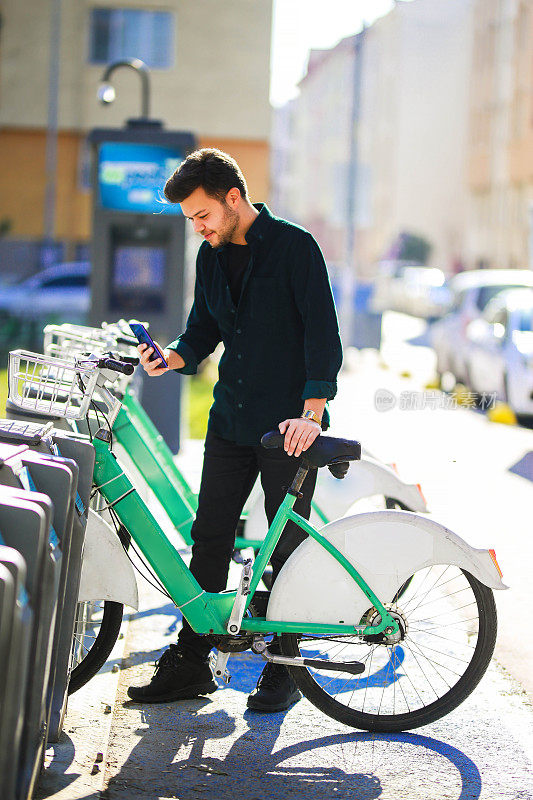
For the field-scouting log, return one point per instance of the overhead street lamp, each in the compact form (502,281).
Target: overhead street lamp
(106,91)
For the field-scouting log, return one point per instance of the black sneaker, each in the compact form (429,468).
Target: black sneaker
(275,690)
(175,678)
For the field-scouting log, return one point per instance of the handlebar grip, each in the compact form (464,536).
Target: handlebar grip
(129,340)
(116,366)
(130,360)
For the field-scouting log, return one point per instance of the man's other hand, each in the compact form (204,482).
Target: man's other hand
(155,368)
(299,434)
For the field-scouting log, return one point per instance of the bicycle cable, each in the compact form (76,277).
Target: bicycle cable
(160,587)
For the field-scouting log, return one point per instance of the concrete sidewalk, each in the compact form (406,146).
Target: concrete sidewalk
(213,748)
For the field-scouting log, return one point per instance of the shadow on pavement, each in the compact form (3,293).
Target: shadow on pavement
(196,749)
(170,761)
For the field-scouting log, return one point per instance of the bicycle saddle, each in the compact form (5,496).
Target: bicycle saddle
(326,451)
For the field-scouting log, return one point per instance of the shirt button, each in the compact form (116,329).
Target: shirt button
(239,380)
(233,311)
(239,355)
(239,405)
(239,330)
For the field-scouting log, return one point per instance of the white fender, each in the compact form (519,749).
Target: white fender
(106,572)
(365,478)
(386,547)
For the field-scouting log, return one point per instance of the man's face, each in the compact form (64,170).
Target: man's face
(213,219)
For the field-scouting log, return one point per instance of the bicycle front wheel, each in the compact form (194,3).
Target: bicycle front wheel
(448,628)
(96,630)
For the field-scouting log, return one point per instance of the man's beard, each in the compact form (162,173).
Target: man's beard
(229,226)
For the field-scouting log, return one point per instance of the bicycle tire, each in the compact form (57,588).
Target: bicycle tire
(97,654)
(318,695)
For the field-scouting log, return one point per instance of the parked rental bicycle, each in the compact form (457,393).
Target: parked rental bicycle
(387,618)
(139,445)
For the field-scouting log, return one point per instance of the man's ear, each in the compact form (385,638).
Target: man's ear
(233,197)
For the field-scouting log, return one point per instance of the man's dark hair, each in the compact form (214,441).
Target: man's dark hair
(216,172)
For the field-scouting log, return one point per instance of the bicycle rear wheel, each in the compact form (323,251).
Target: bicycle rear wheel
(448,622)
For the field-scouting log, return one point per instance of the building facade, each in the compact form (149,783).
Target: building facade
(500,154)
(209,65)
(380,136)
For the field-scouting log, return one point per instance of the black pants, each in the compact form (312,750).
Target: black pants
(229,473)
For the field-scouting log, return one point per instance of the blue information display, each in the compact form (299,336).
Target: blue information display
(131,177)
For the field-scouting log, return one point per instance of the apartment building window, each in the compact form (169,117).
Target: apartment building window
(117,33)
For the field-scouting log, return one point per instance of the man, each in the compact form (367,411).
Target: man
(262,289)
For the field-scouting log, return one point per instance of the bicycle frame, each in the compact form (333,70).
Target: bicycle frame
(208,612)
(141,420)
(139,437)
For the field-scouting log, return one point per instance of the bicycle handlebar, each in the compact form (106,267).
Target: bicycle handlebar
(116,366)
(129,360)
(128,340)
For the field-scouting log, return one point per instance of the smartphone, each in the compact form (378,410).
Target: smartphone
(143,337)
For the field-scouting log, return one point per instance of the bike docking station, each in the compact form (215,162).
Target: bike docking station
(138,244)
(45,483)
(16,626)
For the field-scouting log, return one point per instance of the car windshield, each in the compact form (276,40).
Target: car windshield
(486,293)
(525,320)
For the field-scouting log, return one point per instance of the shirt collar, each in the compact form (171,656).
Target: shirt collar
(261,224)
(257,230)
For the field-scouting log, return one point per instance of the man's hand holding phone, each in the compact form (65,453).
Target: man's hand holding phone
(155,367)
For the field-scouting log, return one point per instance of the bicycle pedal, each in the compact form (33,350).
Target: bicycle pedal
(218,665)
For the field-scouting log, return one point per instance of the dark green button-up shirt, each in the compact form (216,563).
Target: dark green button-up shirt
(281,342)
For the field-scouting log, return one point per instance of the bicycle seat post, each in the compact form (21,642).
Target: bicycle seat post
(298,480)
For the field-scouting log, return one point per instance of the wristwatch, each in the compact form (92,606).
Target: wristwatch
(312,415)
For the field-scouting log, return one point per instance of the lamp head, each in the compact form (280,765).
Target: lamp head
(106,93)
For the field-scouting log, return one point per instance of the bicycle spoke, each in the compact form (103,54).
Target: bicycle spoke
(441,638)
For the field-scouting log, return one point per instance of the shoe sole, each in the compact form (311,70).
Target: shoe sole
(254,706)
(189,693)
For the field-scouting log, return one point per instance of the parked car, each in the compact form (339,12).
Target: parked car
(499,350)
(60,291)
(471,293)
(422,292)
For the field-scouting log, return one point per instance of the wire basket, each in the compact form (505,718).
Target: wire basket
(61,341)
(65,341)
(56,387)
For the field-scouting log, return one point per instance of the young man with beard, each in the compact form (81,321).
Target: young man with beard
(262,289)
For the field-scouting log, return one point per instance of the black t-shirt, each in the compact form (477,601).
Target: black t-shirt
(238,260)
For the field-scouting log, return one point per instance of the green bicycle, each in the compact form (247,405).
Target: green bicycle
(355,651)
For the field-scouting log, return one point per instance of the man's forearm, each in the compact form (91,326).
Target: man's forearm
(316,404)
(174,360)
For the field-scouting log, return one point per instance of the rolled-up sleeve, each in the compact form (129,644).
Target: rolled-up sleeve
(201,334)
(314,300)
